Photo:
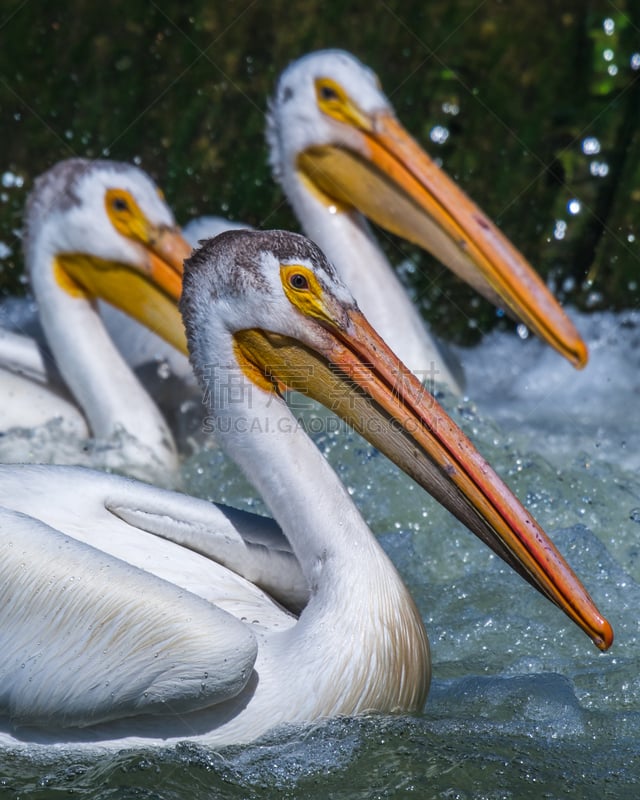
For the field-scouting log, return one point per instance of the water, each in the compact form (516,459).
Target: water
(522,705)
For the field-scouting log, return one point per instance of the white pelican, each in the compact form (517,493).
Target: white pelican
(200,228)
(96,230)
(131,615)
(337,150)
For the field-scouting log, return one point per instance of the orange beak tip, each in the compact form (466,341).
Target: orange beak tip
(582,355)
(605,640)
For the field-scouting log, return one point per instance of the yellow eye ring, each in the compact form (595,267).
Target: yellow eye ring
(335,102)
(125,214)
(329,93)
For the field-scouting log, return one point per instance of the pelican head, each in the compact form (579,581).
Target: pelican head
(270,304)
(101,229)
(334,136)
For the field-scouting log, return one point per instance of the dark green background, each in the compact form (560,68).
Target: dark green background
(183,88)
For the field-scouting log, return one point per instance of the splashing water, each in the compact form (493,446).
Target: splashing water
(522,705)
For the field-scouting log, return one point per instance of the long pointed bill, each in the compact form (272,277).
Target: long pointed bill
(355,374)
(395,183)
(149,291)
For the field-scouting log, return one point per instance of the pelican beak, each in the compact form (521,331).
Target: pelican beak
(171,248)
(388,177)
(148,290)
(350,369)
(164,251)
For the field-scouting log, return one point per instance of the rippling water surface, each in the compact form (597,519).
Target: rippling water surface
(522,705)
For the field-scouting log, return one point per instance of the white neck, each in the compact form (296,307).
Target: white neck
(111,397)
(347,241)
(360,636)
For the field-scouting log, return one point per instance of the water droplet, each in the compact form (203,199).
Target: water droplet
(163,370)
(10,180)
(574,206)
(560,229)
(594,299)
(634,515)
(609,26)
(439,134)
(590,146)
(600,169)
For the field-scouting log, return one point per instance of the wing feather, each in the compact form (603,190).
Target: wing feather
(86,638)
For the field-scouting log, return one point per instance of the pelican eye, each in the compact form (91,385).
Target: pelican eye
(328,92)
(298,281)
(119,204)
